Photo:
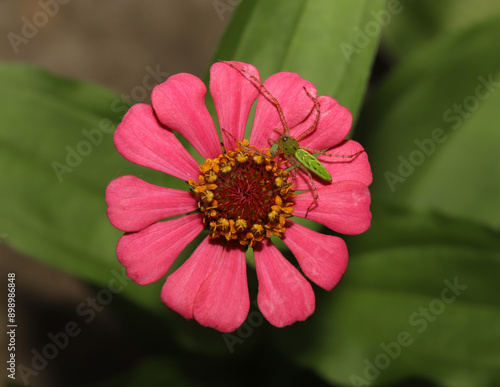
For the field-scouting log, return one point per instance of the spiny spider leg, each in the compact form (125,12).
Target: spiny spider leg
(296,165)
(324,153)
(317,106)
(269,96)
(313,126)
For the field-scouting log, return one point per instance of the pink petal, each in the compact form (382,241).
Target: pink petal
(179,103)
(134,204)
(322,258)
(284,295)
(180,290)
(141,139)
(332,128)
(356,168)
(222,301)
(203,287)
(148,254)
(233,96)
(288,89)
(343,207)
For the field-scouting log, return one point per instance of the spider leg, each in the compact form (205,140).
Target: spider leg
(324,153)
(317,106)
(315,191)
(269,96)
(343,156)
(296,165)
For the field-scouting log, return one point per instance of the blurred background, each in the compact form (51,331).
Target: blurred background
(408,70)
(111,42)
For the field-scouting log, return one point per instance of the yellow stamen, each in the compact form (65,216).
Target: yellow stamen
(252,198)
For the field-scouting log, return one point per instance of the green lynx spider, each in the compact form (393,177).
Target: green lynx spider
(297,155)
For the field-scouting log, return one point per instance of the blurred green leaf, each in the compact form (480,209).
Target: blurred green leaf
(391,316)
(57,156)
(431,129)
(321,40)
(422,21)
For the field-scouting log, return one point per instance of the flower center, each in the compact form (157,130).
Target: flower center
(244,195)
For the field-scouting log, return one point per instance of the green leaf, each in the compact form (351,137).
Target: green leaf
(431,129)
(316,39)
(57,157)
(422,21)
(391,316)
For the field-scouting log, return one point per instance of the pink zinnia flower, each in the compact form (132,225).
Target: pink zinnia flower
(242,197)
